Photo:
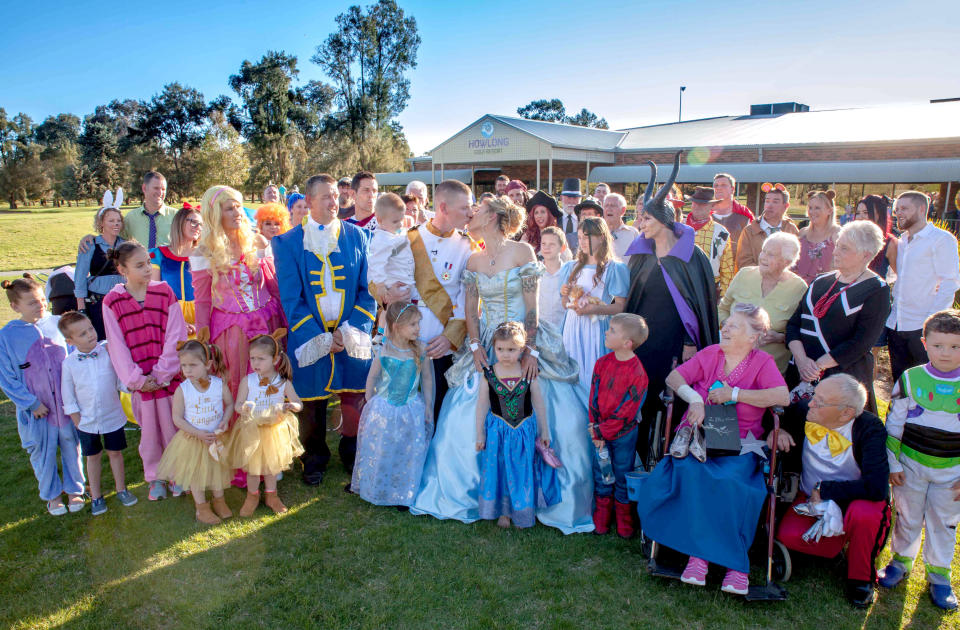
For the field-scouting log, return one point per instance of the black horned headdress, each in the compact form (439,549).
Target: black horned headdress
(656,205)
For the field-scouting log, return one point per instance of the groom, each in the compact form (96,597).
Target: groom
(440,252)
(322,273)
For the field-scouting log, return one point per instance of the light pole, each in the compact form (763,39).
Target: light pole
(680,109)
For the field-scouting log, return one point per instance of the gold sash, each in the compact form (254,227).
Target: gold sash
(432,292)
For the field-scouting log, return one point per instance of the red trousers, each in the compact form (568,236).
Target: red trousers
(865,526)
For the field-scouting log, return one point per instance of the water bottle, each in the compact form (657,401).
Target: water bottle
(606,468)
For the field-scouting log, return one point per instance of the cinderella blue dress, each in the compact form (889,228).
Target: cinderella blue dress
(451,475)
(393,435)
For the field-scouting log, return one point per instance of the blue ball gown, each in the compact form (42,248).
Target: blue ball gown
(451,475)
(393,435)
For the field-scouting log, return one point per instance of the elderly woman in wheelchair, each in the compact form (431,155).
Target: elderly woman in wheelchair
(705,499)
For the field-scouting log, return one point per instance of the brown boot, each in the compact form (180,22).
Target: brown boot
(272,501)
(206,515)
(250,504)
(221,508)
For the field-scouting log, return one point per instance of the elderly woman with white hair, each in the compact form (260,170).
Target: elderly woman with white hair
(842,314)
(771,285)
(703,507)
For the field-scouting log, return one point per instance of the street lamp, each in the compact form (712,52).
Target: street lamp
(680,109)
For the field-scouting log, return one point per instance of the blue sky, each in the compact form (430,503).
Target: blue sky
(623,60)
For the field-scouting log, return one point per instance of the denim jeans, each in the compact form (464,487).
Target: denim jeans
(622,452)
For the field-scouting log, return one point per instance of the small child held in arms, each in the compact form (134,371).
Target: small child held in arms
(389,258)
(91,398)
(31,353)
(923,448)
(202,408)
(514,481)
(552,245)
(617,391)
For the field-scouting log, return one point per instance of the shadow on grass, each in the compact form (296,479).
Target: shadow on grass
(335,561)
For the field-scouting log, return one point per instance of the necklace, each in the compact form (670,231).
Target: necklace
(493,259)
(826,300)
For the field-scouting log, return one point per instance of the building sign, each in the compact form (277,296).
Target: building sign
(487,143)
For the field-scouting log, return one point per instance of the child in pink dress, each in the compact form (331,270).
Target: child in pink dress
(143,322)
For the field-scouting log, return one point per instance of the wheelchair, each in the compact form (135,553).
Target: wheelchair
(782,489)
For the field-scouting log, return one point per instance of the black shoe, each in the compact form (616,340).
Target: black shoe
(347,489)
(403,508)
(861,594)
(314,478)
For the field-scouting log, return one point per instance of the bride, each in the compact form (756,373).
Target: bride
(501,285)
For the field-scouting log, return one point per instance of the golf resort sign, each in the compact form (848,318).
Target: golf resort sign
(486,143)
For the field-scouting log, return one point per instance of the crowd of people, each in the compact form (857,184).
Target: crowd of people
(504,358)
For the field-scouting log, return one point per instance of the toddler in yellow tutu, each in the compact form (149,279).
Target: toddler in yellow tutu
(266,439)
(202,407)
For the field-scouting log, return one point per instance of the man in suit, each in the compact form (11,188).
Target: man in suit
(570,196)
(322,273)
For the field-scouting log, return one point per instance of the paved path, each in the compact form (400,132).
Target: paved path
(17,272)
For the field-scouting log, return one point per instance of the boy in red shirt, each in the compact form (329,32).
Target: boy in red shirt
(617,391)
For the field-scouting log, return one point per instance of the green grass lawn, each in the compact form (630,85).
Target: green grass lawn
(36,238)
(335,561)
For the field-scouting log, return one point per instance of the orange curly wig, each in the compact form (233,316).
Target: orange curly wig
(274,212)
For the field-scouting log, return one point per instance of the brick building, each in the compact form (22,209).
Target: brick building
(899,145)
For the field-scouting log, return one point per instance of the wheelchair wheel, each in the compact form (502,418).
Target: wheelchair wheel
(782,566)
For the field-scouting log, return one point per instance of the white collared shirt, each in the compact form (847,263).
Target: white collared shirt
(90,387)
(322,243)
(769,229)
(448,257)
(928,275)
(563,221)
(623,237)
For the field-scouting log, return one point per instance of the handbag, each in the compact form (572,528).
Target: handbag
(721,430)
(548,455)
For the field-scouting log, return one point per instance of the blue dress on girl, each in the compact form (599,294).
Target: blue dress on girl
(583,335)
(513,479)
(30,359)
(450,488)
(393,433)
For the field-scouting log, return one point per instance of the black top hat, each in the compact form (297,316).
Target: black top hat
(571,187)
(703,194)
(588,203)
(543,199)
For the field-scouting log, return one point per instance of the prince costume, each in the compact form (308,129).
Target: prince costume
(322,276)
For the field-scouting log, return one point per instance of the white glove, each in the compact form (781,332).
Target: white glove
(313,350)
(356,342)
(832,518)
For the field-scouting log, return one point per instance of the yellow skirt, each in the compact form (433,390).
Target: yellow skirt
(265,444)
(188,463)
(189,313)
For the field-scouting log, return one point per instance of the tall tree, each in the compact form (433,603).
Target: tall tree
(553,111)
(550,111)
(270,106)
(586,118)
(221,157)
(176,120)
(22,176)
(58,135)
(99,151)
(367,59)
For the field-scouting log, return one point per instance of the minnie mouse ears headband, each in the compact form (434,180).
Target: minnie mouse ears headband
(109,202)
(767,187)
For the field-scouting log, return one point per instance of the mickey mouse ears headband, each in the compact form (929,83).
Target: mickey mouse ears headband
(767,187)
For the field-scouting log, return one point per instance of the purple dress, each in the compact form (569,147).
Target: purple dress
(30,359)
(815,259)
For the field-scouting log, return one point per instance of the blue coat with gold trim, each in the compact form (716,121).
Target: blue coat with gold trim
(297,269)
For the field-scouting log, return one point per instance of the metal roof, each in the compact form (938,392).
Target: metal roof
(566,136)
(901,122)
(862,172)
(464,175)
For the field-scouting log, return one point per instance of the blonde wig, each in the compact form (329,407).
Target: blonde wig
(214,242)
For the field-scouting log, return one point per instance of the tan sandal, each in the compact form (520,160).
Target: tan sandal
(272,501)
(205,514)
(221,508)
(250,504)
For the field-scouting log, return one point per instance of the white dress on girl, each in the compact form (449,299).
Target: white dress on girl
(583,335)
(188,461)
(266,439)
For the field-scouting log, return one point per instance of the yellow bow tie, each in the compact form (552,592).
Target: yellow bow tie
(835,442)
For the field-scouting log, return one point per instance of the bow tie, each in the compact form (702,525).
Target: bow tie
(87,355)
(835,442)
